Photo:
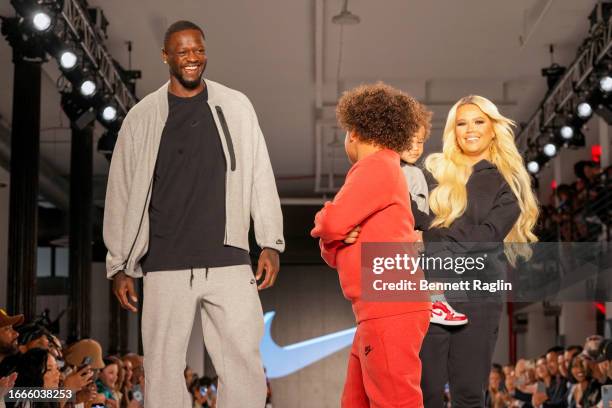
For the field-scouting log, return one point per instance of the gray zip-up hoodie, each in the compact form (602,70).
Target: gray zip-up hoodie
(250,185)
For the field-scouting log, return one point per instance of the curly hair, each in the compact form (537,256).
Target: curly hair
(423,117)
(381,115)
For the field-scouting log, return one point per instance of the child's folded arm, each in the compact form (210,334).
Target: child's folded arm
(367,189)
(329,249)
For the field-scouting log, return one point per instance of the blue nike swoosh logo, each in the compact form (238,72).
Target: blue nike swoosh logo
(281,361)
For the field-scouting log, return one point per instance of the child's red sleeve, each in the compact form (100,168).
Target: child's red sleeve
(367,189)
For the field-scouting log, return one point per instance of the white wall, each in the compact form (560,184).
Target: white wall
(577,321)
(501,354)
(540,335)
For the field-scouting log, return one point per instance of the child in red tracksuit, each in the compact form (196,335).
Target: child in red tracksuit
(384,369)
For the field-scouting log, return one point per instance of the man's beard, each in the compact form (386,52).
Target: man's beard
(8,349)
(186,83)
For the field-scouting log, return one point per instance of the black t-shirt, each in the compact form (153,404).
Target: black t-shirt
(187,209)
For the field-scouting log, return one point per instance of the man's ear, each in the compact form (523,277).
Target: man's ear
(353,135)
(164,55)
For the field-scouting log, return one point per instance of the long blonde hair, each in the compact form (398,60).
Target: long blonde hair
(452,170)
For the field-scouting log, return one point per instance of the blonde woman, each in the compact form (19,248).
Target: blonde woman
(483,194)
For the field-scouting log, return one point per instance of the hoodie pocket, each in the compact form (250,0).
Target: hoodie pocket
(228,137)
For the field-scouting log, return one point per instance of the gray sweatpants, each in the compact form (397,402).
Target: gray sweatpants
(232,322)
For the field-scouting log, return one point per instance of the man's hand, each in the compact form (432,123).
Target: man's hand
(78,380)
(123,286)
(268,262)
(538,398)
(6,384)
(352,236)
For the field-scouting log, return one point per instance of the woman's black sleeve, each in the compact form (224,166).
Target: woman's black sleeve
(422,220)
(494,228)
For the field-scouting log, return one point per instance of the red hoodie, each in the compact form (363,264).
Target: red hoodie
(374,196)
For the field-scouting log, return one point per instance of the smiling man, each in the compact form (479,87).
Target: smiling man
(189,170)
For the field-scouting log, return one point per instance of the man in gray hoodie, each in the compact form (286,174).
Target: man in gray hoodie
(189,170)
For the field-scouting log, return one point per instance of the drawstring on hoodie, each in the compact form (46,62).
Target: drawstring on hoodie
(206,273)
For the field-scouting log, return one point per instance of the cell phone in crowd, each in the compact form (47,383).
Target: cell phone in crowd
(86,361)
(541,387)
(137,394)
(606,395)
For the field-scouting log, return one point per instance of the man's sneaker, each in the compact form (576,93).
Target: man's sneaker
(444,314)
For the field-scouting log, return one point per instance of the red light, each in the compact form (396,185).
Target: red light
(596,153)
(553,184)
(601,307)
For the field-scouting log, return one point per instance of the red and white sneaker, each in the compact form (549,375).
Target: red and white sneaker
(444,314)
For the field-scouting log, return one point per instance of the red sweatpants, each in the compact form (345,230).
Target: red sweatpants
(384,368)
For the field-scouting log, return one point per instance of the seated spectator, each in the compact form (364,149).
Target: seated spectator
(106,382)
(189,376)
(8,335)
(496,393)
(555,390)
(36,368)
(33,335)
(525,383)
(76,355)
(586,392)
(204,393)
(117,389)
(138,380)
(604,361)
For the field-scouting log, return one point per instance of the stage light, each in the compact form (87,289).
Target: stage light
(68,59)
(533,167)
(550,149)
(41,21)
(584,110)
(605,84)
(88,87)
(566,132)
(109,113)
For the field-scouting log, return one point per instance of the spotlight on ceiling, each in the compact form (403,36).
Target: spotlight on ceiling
(88,88)
(109,113)
(533,167)
(67,59)
(584,110)
(550,149)
(566,132)
(605,83)
(41,21)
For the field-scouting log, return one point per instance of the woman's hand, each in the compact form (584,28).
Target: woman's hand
(79,379)
(352,236)
(87,394)
(6,384)
(111,403)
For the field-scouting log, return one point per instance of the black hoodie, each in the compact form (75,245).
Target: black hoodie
(491,212)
